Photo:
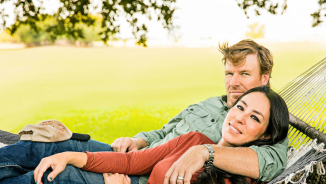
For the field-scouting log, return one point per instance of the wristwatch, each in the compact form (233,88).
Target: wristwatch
(209,162)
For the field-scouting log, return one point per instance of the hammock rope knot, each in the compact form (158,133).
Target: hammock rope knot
(318,148)
(320,168)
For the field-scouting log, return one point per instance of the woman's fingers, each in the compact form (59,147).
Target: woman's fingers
(187,165)
(128,179)
(105,176)
(40,169)
(116,178)
(168,175)
(180,177)
(56,170)
(57,162)
(187,178)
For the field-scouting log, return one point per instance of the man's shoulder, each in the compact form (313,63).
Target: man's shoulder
(216,100)
(213,102)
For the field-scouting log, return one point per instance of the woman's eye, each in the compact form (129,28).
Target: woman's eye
(255,118)
(240,107)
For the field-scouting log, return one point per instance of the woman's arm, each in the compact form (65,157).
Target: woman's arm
(58,163)
(142,162)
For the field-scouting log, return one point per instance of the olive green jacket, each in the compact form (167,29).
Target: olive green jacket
(207,117)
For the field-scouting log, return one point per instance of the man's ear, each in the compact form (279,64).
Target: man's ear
(265,78)
(265,137)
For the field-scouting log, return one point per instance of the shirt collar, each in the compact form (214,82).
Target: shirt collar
(224,100)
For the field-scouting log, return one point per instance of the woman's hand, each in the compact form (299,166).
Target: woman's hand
(58,163)
(116,178)
(187,165)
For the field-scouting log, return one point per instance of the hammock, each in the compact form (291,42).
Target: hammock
(306,100)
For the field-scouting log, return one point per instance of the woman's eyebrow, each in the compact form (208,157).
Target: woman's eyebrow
(244,103)
(257,112)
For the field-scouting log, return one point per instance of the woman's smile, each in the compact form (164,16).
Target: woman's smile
(233,129)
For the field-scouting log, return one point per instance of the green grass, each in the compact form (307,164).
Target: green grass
(111,92)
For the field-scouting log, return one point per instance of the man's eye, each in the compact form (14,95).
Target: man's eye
(240,107)
(245,74)
(228,73)
(255,118)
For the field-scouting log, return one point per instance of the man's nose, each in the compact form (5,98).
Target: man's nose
(235,80)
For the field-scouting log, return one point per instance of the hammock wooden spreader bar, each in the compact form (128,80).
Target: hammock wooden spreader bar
(308,130)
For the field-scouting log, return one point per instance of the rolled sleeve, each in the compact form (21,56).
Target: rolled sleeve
(150,136)
(271,159)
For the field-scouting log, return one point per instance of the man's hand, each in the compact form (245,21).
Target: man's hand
(116,178)
(187,165)
(125,143)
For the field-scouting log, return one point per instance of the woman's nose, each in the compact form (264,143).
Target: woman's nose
(240,119)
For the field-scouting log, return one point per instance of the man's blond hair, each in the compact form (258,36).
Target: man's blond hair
(237,53)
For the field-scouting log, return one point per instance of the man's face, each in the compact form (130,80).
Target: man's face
(241,78)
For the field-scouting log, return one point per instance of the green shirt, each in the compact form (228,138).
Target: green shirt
(207,117)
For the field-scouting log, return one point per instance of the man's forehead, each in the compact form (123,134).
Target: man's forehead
(250,63)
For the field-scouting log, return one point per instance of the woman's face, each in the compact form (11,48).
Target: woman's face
(247,120)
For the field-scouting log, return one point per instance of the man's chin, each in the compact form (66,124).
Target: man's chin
(234,97)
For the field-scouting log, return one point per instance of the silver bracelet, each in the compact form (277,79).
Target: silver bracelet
(209,162)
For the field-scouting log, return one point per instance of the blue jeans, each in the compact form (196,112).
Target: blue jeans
(18,161)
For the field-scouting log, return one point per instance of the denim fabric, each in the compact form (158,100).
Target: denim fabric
(18,161)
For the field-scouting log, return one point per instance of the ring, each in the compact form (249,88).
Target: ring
(180,178)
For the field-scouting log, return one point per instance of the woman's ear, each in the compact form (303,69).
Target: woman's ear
(265,137)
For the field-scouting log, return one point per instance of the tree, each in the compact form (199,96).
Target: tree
(72,13)
(255,31)
(280,7)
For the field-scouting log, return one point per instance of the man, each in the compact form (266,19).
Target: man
(247,65)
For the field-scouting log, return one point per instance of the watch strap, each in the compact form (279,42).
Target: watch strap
(209,162)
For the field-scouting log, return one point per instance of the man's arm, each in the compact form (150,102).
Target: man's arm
(144,139)
(257,162)
(242,161)
(263,163)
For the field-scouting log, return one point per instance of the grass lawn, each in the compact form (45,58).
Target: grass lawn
(115,92)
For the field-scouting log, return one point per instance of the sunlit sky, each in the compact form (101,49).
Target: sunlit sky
(224,20)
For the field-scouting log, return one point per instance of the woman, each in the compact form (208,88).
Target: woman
(259,117)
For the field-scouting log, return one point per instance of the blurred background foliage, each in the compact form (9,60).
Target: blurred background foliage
(255,31)
(279,7)
(26,34)
(72,19)
(67,18)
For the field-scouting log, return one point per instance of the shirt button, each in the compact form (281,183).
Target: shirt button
(212,120)
(191,109)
